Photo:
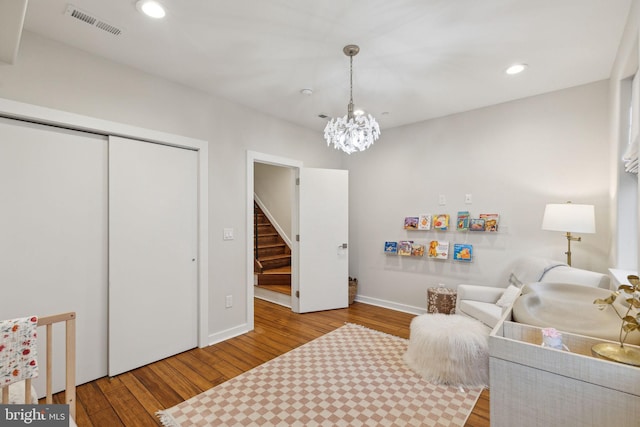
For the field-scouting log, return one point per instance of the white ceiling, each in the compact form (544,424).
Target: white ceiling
(419,59)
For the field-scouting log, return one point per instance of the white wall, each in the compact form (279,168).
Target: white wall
(274,186)
(512,158)
(49,74)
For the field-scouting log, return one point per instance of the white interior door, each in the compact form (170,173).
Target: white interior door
(323,266)
(152,252)
(53,236)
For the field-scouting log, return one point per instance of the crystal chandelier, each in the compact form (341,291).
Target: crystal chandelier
(351,133)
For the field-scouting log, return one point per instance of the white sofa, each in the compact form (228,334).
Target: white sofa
(485,303)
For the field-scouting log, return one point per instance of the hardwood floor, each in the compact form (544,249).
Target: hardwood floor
(281,289)
(132,399)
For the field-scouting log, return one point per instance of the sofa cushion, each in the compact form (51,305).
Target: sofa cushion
(576,276)
(485,312)
(509,296)
(530,269)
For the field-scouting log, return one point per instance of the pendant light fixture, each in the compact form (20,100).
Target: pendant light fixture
(353,132)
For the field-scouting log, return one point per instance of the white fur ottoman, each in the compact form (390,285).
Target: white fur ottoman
(449,349)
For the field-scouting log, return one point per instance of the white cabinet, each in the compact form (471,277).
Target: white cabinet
(619,277)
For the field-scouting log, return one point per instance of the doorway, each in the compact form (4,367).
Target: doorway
(320,217)
(272,232)
(254,158)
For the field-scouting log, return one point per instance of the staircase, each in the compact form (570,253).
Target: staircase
(272,264)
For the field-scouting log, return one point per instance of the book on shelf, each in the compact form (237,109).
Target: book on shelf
(391,248)
(417,249)
(404,247)
(411,223)
(424,222)
(462,252)
(438,249)
(441,222)
(490,221)
(462,223)
(476,224)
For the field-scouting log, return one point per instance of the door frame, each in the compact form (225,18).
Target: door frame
(256,157)
(33,113)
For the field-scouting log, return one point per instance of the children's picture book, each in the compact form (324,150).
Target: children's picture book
(404,247)
(462,252)
(411,223)
(391,248)
(462,224)
(438,249)
(476,224)
(441,222)
(417,249)
(490,221)
(424,222)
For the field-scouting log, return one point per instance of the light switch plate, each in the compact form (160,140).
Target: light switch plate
(442,200)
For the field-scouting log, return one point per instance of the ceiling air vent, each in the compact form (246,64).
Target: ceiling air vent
(92,20)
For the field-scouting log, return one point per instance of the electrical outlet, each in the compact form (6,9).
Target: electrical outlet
(442,200)
(227,234)
(467,199)
(228,301)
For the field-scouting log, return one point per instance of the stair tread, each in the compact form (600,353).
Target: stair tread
(271,245)
(272,257)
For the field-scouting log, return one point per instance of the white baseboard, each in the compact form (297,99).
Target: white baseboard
(392,305)
(229,333)
(285,300)
(274,297)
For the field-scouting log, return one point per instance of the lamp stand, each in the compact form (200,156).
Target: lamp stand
(569,239)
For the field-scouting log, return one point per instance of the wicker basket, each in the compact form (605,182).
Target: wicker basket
(353,289)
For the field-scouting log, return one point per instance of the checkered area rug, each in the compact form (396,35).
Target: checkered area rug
(352,376)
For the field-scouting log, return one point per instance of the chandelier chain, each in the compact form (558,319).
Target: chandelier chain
(351,80)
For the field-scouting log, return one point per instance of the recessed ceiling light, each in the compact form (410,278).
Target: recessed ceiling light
(516,68)
(306,91)
(151,8)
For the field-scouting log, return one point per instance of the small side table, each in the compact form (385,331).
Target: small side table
(441,300)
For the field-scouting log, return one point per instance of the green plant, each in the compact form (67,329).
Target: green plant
(630,320)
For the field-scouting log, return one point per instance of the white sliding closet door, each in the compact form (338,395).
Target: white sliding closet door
(53,236)
(152,252)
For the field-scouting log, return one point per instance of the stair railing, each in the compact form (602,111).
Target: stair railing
(255,231)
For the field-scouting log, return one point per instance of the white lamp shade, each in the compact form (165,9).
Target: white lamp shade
(569,217)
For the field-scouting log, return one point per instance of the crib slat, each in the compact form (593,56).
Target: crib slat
(49,377)
(70,369)
(27,391)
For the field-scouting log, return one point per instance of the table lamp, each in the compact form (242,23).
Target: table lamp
(570,218)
